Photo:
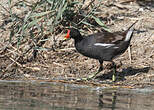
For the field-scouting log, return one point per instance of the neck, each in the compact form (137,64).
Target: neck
(79,38)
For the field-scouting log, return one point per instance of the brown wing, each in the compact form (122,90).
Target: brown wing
(109,38)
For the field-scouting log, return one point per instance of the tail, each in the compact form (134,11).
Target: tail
(130,32)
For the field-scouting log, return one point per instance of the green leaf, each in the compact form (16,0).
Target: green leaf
(27,17)
(19,39)
(50,1)
(60,12)
(11,35)
(98,21)
(39,48)
(86,23)
(34,22)
(40,14)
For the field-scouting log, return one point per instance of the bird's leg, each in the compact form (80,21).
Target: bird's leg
(114,72)
(93,75)
(99,70)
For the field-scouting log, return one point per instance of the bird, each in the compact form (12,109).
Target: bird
(102,46)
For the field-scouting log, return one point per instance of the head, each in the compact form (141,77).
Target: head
(73,33)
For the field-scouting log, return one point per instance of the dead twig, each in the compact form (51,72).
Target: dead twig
(129,54)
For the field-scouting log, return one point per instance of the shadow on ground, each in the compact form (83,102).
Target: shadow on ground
(125,72)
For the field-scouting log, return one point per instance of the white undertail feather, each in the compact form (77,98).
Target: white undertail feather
(129,34)
(130,31)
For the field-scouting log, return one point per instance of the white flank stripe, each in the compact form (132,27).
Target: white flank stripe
(128,35)
(104,45)
(115,47)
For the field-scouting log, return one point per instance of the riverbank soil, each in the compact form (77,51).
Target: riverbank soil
(65,64)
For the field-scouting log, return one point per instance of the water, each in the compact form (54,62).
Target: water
(16,95)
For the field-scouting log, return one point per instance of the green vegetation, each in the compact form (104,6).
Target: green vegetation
(40,21)
(51,16)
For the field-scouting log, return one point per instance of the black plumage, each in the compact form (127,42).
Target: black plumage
(103,46)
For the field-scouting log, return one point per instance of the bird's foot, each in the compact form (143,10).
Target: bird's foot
(114,72)
(113,78)
(90,77)
(82,79)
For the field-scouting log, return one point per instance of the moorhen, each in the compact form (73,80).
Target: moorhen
(103,46)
